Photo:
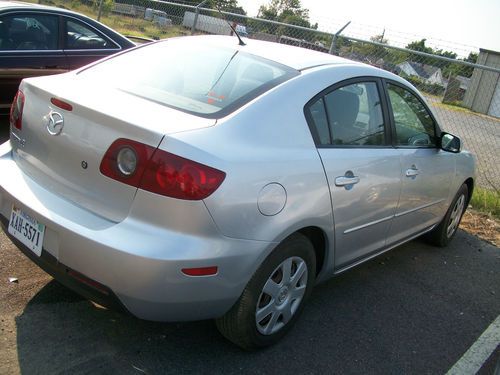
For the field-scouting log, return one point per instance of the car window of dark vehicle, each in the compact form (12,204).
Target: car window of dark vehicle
(29,32)
(209,81)
(80,36)
(350,116)
(414,125)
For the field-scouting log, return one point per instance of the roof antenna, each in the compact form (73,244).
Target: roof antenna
(241,42)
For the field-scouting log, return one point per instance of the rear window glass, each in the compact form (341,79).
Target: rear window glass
(210,81)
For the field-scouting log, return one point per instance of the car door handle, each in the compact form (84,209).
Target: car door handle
(345,180)
(412,172)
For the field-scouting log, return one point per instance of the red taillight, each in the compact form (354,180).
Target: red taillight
(61,104)
(200,271)
(181,178)
(16,111)
(161,172)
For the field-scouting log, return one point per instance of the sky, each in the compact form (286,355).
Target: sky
(458,25)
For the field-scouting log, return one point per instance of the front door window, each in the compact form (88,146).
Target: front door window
(414,125)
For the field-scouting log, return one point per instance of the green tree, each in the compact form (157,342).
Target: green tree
(420,46)
(289,12)
(280,10)
(466,71)
(231,6)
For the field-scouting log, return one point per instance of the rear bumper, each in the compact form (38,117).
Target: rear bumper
(138,261)
(70,278)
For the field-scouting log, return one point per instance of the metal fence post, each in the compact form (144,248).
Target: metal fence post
(333,46)
(197,12)
(100,10)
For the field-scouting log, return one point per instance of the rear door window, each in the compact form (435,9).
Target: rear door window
(349,116)
(28,32)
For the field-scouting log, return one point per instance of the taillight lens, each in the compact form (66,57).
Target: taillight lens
(16,111)
(126,161)
(159,171)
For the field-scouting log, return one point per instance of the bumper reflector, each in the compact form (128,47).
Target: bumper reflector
(200,271)
(92,283)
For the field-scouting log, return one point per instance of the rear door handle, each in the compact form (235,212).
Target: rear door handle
(343,180)
(412,172)
(348,180)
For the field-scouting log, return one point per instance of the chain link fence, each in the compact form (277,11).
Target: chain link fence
(464,96)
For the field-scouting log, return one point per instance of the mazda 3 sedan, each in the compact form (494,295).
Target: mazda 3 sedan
(197,178)
(39,40)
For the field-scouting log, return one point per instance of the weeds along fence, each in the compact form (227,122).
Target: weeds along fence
(464,96)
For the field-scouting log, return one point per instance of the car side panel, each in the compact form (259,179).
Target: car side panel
(364,211)
(424,196)
(268,141)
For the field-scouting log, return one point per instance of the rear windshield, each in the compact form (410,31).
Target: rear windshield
(209,81)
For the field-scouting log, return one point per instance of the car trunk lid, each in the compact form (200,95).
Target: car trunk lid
(66,160)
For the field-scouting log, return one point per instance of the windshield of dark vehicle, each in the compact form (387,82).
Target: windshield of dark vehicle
(210,81)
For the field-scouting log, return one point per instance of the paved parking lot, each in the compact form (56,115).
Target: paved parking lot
(414,310)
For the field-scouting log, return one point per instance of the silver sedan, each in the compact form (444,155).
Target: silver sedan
(198,178)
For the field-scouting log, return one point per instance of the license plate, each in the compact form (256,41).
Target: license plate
(27,230)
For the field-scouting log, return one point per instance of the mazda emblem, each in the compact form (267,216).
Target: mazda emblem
(55,123)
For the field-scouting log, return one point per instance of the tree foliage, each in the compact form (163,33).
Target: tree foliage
(447,67)
(286,11)
(231,6)
(420,46)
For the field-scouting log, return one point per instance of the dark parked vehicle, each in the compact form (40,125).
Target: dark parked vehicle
(39,40)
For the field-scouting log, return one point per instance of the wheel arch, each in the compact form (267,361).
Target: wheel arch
(470,187)
(318,239)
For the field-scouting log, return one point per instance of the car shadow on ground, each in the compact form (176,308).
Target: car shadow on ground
(72,335)
(382,317)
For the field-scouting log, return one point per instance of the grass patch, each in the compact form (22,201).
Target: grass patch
(454,107)
(486,201)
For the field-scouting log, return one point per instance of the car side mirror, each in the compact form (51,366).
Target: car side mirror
(450,143)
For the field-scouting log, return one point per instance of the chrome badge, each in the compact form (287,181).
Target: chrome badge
(55,123)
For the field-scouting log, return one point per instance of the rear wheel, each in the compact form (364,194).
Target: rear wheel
(445,231)
(274,296)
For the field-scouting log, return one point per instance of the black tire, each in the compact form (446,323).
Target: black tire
(443,234)
(240,324)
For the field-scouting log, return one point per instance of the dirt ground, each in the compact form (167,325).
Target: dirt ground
(481,225)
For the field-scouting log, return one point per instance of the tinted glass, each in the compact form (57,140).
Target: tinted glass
(205,80)
(353,114)
(80,36)
(414,125)
(318,115)
(28,32)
